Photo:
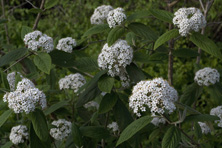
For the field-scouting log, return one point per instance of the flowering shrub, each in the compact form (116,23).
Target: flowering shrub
(115,84)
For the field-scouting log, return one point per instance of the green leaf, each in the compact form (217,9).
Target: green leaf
(76,134)
(114,35)
(143,31)
(35,10)
(138,15)
(87,64)
(3,21)
(56,106)
(162,15)
(39,124)
(106,83)
(12,56)
(139,56)
(206,44)
(5,116)
(96,29)
(43,62)
(4,80)
(197,130)
(166,37)
(189,109)
(155,134)
(201,118)
(185,53)
(51,3)
(62,59)
(95,132)
(135,73)
(25,30)
(191,94)
(131,38)
(171,138)
(7,145)
(215,92)
(107,103)
(133,128)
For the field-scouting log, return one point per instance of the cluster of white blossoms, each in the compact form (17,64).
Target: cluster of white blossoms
(37,39)
(18,134)
(116,17)
(113,126)
(158,120)
(62,129)
(115,58)
(217,111)
(204,128)
(207,76)
(11,79)
(72,81)
(92,104)
(100,14)
(25,98)
(66,44)
(188,19)
(156,94)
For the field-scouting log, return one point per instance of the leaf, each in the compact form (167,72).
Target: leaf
(106,83)
(133,128)
(114,35)
(12,56)
(197,130)
(86,64)
(189,109)
(139,56)
(107,103)
(3,21)
(76,134)
(35,10)
(171,138)
(39,124)
(162,15)
(7,145)
(54,107)
(95,132)
(143,31)
(138,15)
(25,30)
(201,118)
(43,62)
(5,116)
(51,3)
(96,29)
(185,53)
(62,59)
(206,44)
(4,80)
(135,73)
(166,37)
(131,38)
(215,92)
(191,94)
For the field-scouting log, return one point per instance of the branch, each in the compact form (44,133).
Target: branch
(201,4)
(38,16)
(31,4)
(16,7)
(6,27)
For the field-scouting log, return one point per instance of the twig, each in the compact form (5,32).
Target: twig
(91,43)
(201,4)
(13,8)
(38,16)
(31,4)
(194,142)
(6,27)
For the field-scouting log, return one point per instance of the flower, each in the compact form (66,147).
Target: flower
(204,128)
(66,44)
(207,76)
(188,19)
(18,134)
(100,14)
(36,39)
(115,58)
(25,98)
(217,111)
(157,120)
(155,94)
(11,79)
(116,17)
(114,126)
(62,129)
(91,104)
(72,81)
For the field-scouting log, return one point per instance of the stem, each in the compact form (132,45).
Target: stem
(6,27)
(194,142)
(106,123)
(38,16)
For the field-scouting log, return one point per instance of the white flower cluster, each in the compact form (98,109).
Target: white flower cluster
(66,44)
(18,134)
(25,98)
(72,81)
(62,129)
(204,128)
(115,58)
(116,17)
(158,120)
(113,126)
(217,111)
(37,39)
(92,104)
(188,19)
(100,14)
(156,94)
(207,76)
(11,79)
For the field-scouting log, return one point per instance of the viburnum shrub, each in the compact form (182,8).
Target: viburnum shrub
(61,97)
